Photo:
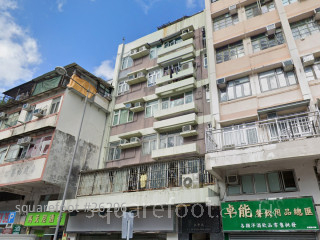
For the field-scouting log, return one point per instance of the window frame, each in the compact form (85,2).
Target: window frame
(254,10)
(153,76)
(153,105)
(170,100)
(315,73)
(148,140)
(126,62)
(178,140)
(230,52)
(266,181)
(114,146)
(118,113)
(55,105)
(261,39)
(273,74)
(302,29)
(123,86)
(224,21)
(237,82)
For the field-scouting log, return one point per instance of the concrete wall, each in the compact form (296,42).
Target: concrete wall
(304,174)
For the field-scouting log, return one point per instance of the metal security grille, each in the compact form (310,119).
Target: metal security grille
(143,177)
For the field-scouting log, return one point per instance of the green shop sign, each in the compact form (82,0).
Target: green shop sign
(296,214)
(44,219)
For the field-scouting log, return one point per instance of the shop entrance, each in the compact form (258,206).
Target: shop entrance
(108,236)
(200,236)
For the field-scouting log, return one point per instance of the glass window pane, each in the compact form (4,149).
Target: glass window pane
(130,119)
(260,183)
(316,68)
(289,181)
(234,190)
(291,78)
(123,116)
(264,84)
(309,73)
(273,82)
(230,93)
(274,182)
(239,93)
(282,80)
(247,184)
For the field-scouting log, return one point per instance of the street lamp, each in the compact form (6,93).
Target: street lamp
(63,72)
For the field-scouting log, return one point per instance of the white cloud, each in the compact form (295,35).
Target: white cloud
(60,4)
(194,3)
(18,50)
(146,4)
(191,3)
(105,70)
(7,4)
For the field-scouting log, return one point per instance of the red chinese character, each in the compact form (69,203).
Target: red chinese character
(6,217)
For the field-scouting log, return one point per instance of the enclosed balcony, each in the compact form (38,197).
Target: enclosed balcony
(176,123)
(176,87)
(185,150)
(183,70)
(171,112)
(181,51)
(286,137)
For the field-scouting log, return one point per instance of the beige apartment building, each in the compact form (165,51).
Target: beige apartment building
(263,148)
(215,118)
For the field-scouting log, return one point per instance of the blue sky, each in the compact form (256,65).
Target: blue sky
(37,35)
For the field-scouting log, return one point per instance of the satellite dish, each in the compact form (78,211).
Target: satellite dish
(61,71)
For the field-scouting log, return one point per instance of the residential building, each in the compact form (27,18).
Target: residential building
(155,153)
(263,148)
(39,124)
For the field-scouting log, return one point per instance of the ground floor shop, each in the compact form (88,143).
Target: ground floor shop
(276,219)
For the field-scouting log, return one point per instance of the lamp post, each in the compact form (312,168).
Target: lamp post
(63,72)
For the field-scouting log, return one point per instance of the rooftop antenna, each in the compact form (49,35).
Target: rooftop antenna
(123,39)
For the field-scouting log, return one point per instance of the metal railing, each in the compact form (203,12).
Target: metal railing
(286,128)
(144,177)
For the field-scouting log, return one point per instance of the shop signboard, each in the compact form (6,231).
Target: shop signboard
(7,217)
(16,228)
(44,219)
(7,231)
(292,214)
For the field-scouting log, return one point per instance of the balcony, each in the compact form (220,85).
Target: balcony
(21,129)
(139,52)
(119,182)
(285,137)
(131,144)
(186,69)
(176,87)
(185,150)
(100,102)
(179,52)
(22,171)
(175,123)
(178,110)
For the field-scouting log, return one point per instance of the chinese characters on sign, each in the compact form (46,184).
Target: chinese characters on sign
(282,214)
(44,219)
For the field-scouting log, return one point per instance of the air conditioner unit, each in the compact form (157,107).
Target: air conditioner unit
(142,48)
(190,181)
(308,60)
(232,179)
(123,141)
(24,141)
(317,14)
(20,141)
(271,29)
(134,139)
(134,51)
(140,74)
(185,66)
(130,77)
(3,115)
(185,31)
(26,107)
(233,9)
(264,9)
(38,112)
(108,96)
(287,65)
(138,104)
(128,105)
(187,128)
(221,83)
